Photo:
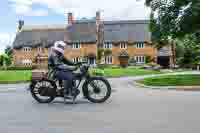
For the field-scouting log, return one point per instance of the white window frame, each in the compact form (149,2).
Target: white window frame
(140,59)
(39,49)
(76,59)
(123,45)
(108,60)
(107,45)
(27,49)
(140,45)
(27,62)
(76,45)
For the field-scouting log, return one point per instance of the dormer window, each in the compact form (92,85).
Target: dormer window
(76,45)
(27,49)
(140,45)
(39,49)
(108,45)
(123,45)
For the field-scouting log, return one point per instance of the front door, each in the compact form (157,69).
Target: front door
(123,61)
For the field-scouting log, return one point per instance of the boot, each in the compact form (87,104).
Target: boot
(67,95)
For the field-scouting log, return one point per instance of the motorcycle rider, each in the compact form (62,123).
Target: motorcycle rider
(63,66)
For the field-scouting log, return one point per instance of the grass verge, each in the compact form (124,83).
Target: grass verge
(119,72)
(18,76)
(172,80)
(14,76)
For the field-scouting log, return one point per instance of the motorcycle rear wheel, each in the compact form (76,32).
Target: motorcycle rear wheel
(39,91)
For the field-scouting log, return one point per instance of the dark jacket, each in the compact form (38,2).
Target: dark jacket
(56,60)
(59,61)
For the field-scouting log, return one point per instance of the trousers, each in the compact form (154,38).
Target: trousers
(67,77)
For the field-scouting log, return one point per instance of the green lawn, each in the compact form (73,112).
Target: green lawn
(13,76)
(172,80)
(117,72)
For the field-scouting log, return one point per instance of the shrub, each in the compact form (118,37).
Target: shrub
(115,67)
(132,61)
(16,68)
(148,59)
(97,72)
(102,66)
(152,64)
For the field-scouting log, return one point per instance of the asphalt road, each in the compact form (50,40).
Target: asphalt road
(129,110)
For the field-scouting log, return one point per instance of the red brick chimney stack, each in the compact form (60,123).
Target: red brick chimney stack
(70,18)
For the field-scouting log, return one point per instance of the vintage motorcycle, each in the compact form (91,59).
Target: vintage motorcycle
(94,88)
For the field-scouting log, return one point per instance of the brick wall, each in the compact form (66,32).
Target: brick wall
(132,51)
(85,50)
(19,55)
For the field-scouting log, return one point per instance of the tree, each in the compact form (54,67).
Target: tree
(8,51)
(5,60)
(180,17)
(173,19)
(189,52)
(1,60)
(163,27)
(7,57)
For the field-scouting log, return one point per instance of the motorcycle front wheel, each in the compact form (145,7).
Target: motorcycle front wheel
(97,90)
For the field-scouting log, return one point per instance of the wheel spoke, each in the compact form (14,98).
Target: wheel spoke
(41,88)
(36,92)
(99,85)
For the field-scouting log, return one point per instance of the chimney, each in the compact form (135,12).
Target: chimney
(99,29)
(20,25)
(70,18)
(98,18)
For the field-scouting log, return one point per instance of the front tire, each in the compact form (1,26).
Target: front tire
(37,87)
(93,89)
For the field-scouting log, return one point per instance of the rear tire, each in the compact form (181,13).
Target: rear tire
(33,88)
(87,91)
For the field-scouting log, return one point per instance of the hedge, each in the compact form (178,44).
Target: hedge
(16,68)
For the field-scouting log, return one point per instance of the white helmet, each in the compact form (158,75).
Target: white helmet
(59,47)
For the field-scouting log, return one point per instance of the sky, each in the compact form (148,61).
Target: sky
(35,12)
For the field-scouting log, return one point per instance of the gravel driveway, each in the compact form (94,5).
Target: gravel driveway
(129,110)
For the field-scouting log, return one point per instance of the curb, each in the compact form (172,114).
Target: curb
(12,90)
(178,88)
